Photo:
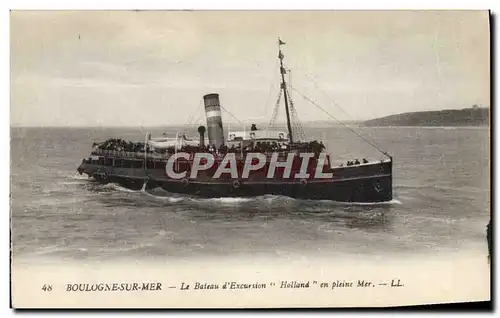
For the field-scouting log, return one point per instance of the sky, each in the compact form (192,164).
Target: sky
(152,68)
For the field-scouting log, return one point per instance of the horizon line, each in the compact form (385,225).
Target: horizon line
(336,122)
(169,125)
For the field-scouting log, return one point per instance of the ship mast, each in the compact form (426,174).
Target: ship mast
(285,93)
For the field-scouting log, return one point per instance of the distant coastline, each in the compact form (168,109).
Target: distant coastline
(474,116)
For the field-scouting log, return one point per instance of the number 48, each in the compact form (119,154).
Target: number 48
(46,287)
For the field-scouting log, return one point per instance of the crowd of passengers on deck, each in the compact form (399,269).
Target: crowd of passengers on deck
(120,145)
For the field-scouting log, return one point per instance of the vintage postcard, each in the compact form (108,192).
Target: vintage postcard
(249,159)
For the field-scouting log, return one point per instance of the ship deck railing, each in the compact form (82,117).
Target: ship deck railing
(165,156)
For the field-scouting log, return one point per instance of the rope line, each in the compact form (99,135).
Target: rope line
(275,110)
(234,117)
(192,119)
(373,144)
(328,96)
(309,77)
(299,131)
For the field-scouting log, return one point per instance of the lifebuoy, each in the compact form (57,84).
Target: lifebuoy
(281,136)
(377,187)
(184,182)
(236,184)
(231,137)
(303,182)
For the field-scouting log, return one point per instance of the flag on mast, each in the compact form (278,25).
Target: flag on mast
(281,42)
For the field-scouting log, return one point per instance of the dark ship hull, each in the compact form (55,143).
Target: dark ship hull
(362,183)
(261,162)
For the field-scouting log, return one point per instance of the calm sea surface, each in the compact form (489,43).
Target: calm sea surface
(441,204)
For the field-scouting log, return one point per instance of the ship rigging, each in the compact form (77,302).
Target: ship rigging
(295,131)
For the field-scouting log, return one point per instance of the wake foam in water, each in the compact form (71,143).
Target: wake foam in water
(229,200)
(72,182)
(163,195)
(164,198)
(143,189)
(395,201)
(77,176)
(392,202)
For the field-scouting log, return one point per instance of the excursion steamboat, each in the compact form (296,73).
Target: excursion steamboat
(247,163)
